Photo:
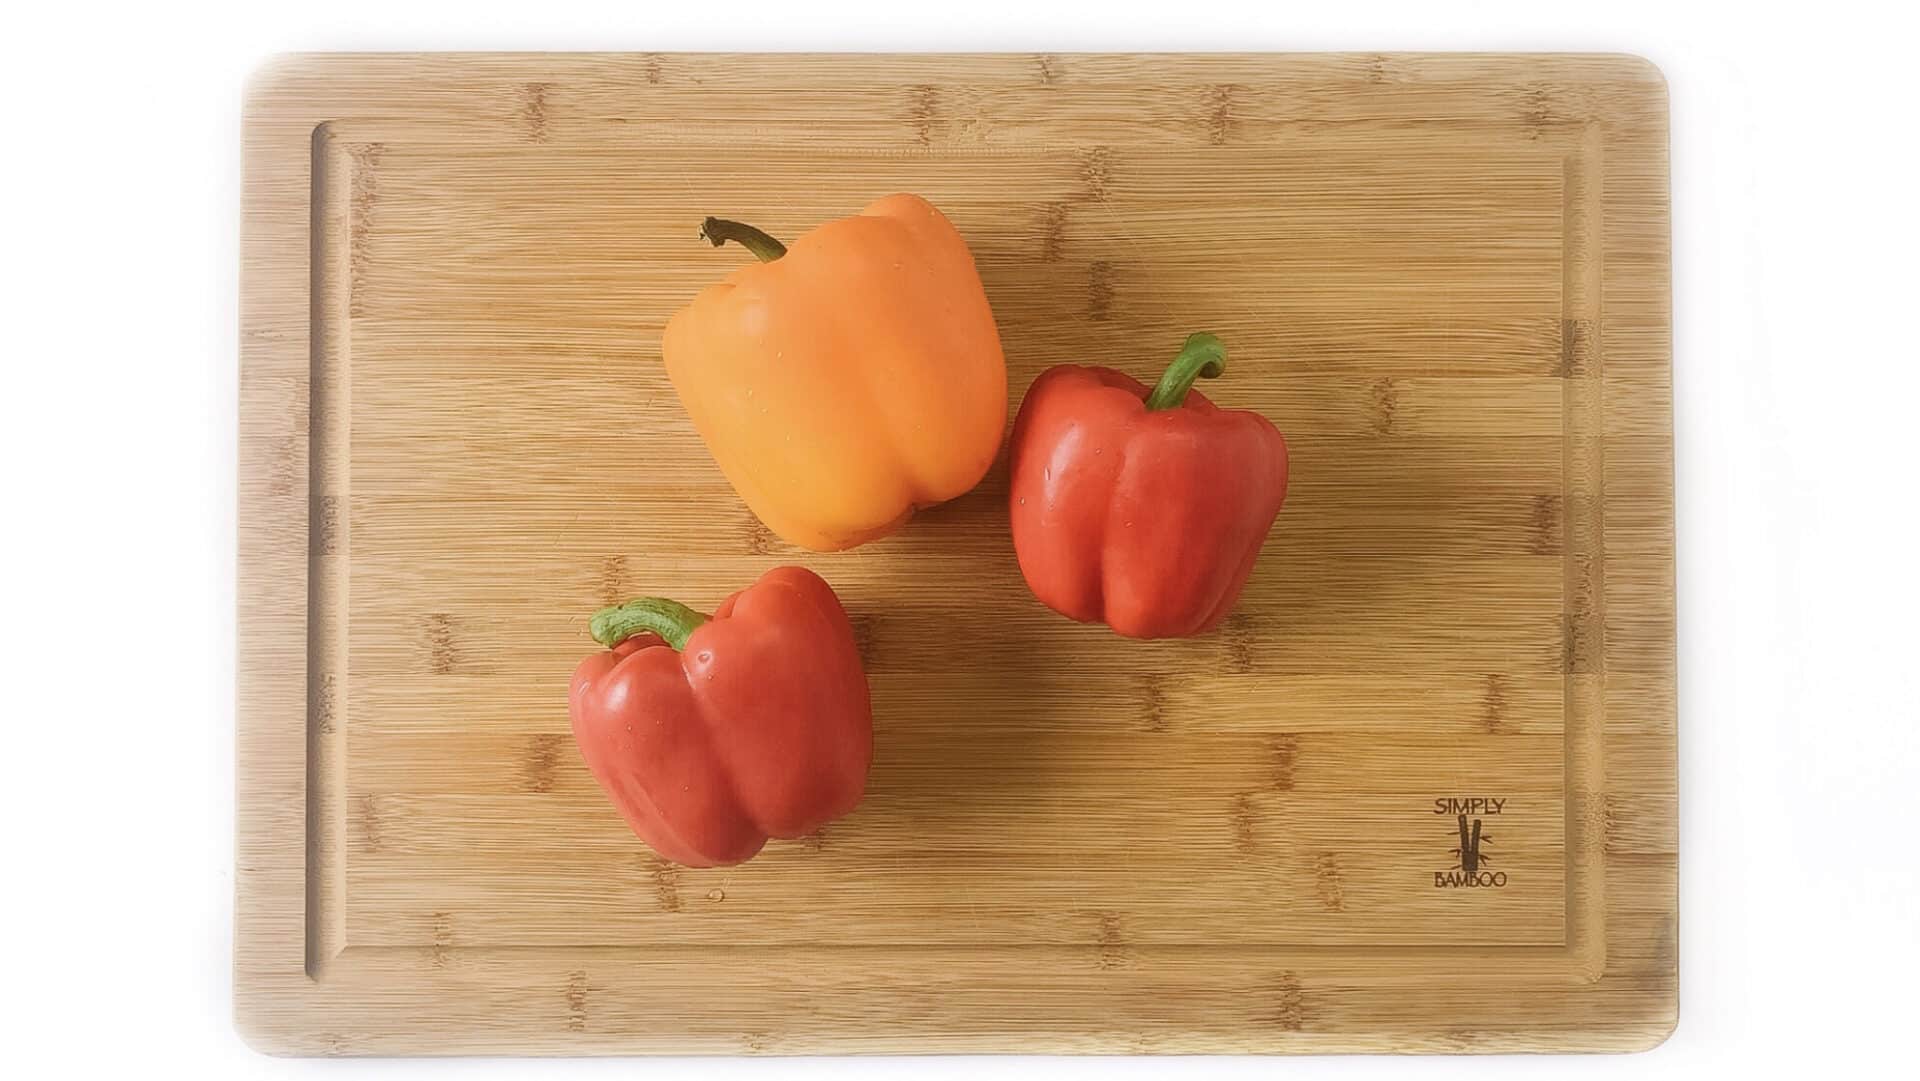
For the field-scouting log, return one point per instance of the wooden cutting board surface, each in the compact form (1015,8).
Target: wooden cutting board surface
(1417,795)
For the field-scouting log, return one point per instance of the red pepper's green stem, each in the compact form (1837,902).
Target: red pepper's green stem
(672,621)
(1203,357)
(718,231)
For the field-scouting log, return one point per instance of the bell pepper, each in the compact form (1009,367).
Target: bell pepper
(1144,511)
(711,735)
(846,381)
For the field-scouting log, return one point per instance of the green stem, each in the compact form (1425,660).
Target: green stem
(1203,357)
(671,620)
(718,231)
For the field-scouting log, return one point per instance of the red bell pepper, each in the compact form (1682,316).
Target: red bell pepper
(1142,511)
(711,735)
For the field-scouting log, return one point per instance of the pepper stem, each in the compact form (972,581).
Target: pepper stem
(718,231)
(1203,357)
(672,621)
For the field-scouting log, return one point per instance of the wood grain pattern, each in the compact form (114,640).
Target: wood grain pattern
(1446,278)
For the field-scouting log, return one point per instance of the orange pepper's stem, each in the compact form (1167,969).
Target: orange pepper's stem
(1203,357)
(718,231)
(672,621)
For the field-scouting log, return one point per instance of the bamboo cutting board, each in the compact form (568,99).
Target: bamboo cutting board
(1417,795)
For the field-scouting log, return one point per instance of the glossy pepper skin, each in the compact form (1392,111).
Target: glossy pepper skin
(845,381)
(1143,511)
(712,735)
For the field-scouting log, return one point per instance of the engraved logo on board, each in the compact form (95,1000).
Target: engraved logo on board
(1473,864)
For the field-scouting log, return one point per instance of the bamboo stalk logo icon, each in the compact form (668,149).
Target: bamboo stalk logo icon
(1469,850)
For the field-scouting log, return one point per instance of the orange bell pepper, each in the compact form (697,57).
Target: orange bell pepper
(845,382)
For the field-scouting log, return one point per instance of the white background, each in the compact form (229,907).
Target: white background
(1795,366)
